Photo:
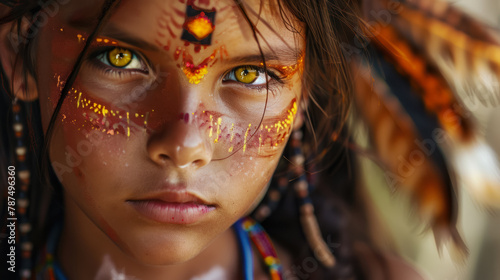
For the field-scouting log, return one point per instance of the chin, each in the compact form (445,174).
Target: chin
(164,260)
(165,252)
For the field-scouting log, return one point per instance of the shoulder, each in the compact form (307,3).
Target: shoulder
(400,269)
(384,265)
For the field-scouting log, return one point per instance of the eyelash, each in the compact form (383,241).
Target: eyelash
(121,72)
(116,71)
(273,77)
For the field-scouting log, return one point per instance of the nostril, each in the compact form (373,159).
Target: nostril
(163,157)
(181,144)
(199,162)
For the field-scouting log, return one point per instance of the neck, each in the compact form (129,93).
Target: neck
(85,252)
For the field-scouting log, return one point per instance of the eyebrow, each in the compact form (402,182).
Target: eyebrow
(271,55)
(284,54)
(112,31)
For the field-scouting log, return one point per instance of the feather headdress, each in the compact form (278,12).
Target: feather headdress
(422,60)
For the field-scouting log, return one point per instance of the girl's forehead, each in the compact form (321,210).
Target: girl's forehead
(203,22)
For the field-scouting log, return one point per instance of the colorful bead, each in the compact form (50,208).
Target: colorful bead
(25,227)
(21,152)
(22,202)
(27,246)
(26,273)
(264,246)
(24,175)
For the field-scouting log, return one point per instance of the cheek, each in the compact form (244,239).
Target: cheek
(81,168)
(58,48)
(76,153)
(89,144)
(83,112)
(242,178)
(252,139)
(249,178)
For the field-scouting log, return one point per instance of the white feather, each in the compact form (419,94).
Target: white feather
(477,167)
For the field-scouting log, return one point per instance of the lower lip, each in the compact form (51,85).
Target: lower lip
(172,213)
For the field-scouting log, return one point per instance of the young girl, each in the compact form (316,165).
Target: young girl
(161,126)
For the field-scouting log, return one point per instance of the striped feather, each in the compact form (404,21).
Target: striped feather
(448,55)
(408,168)
(466,52)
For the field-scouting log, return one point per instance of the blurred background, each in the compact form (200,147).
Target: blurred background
(479,227)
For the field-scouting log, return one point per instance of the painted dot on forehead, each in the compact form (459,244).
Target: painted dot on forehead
(198,25)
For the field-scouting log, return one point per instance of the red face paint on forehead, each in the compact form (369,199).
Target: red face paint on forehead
(199,24)
(195,72)
(167,27)
(226,132)
(194,23)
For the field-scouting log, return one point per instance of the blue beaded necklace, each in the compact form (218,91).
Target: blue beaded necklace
(246,230)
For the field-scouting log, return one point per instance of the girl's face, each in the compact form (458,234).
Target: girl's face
(167,136)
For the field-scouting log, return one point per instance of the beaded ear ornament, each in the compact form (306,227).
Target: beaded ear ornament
(302,185)
(22,201)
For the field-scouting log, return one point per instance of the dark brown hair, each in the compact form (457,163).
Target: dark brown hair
(326,85)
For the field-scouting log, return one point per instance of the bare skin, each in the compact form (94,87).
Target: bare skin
(107,162)
(106,168)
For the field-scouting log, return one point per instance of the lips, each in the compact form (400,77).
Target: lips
(174,207)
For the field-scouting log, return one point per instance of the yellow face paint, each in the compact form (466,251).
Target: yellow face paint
(200,27)
(288,70)
(270,134)
(194,74)
(89,113)
(246,136)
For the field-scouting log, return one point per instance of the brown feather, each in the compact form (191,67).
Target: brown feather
(427,81)
(437,49)
(465,51)
(393,135)
(445,54)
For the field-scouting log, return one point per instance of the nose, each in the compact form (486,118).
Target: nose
(181,144)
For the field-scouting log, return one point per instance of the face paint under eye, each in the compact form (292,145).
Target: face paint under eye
(83,111)
(246,137)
